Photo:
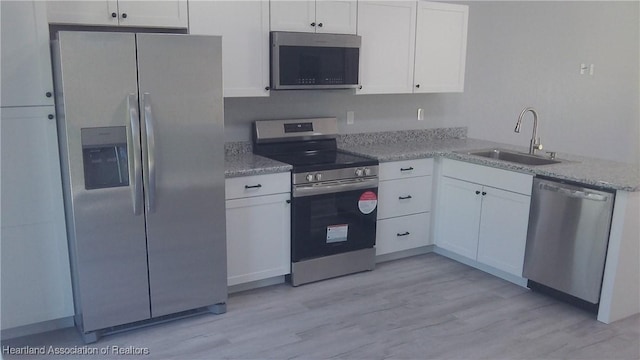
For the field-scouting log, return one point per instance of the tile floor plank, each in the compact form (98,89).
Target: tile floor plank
(424,307)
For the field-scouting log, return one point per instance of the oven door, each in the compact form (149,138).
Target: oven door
(327,223)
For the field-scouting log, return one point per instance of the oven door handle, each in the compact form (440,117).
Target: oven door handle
(329,188)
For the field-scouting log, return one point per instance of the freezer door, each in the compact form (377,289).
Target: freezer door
(180,80)
(95,77)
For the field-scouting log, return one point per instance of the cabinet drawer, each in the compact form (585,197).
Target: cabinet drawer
(248,186)
(402,233)
(405,169)
(485,175)
(404,196)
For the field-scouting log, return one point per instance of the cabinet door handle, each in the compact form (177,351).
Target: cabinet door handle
(320,25)
(477,192)
(403,234)
(406,169)
(114,15)
(484,193)
(253,186)
(124,15)
(360,87)
(404,197)
(267,88)
(50,116)
(418,86)
(48,94)
(313,24)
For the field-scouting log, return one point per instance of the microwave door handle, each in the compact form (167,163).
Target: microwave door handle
(136,153)
(149,125)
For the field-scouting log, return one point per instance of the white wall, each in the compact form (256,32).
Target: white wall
(519,54)
(528,54)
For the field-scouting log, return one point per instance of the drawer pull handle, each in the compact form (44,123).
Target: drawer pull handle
(484,193)
(403,234)
(253,186)
(477,192)
(404,197)
(406,169)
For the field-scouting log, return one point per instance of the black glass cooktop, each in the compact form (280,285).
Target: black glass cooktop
(322,160)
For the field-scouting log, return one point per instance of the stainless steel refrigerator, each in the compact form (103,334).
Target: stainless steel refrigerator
(140,119)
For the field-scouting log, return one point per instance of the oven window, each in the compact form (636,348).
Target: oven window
(304,65)
(329,224)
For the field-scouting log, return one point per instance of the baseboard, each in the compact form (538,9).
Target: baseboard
(37,328)
(404,254)
(486,268)
(256,284)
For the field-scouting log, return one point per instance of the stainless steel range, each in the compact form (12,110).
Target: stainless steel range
(334,198)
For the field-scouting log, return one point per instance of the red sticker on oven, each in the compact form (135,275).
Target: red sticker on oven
(368,202)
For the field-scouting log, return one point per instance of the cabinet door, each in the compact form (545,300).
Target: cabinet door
(293,15)
(336,17)
(258,238)
(166,13)
(88,12)
(388,30)
(244,27)
(26,63)
(503,230)
(458,217)
(441,47)
(36,280)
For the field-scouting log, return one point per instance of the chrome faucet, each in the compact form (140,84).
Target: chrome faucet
(535,142)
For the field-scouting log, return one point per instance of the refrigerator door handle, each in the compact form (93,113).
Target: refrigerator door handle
(136,190)
(151,150)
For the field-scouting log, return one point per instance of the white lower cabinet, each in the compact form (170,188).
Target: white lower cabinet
(258,229)
(36,280)
(404,210)
(482,222)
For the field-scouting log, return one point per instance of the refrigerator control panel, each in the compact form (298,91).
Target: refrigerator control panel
(105,157)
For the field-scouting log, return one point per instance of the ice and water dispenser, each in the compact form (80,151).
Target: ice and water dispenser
(104,153)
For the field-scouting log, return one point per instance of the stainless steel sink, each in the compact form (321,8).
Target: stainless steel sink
(512,156)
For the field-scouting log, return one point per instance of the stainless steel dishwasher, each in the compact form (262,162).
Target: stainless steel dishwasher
(567,238)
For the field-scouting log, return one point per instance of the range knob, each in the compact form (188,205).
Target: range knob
(358,172)
(309,177)
(367,171)
(318,177)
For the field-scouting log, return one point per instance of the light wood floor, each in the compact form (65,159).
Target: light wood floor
(425,307)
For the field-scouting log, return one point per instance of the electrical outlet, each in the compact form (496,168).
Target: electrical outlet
(350,117)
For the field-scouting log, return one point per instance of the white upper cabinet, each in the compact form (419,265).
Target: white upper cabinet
(336,17)
(412,47)
(169,13)
(244,27)
(321,16)
(163,13)
(441,47)
(26,64)
(388,30)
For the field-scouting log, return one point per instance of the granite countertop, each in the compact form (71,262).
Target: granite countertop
(448,143)
(602,173)
(248,164)
(239,160)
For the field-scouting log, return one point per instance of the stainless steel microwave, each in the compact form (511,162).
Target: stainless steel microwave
(314,61)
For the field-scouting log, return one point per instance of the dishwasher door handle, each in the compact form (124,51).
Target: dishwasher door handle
(574,193)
